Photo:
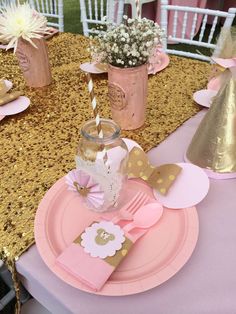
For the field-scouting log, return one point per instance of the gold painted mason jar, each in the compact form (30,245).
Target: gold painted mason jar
(104,159)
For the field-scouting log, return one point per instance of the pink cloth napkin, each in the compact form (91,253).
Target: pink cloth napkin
(94,271)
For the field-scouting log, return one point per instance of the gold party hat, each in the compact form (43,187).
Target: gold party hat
(214,144)
(226,44)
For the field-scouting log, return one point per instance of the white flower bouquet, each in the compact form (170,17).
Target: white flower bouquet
(21,21)
(23,29)
(129,44)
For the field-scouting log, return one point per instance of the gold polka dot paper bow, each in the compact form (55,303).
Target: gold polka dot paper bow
(161,178)
(4,96)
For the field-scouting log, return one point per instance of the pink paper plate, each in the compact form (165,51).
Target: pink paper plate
(92,67)
(15,106)
(52,31)
(215,83)
(154,259)
(162,60)
(189,189)
(204,97)
(3,46)
(9,86)
(225,63)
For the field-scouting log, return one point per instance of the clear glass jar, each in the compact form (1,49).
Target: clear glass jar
(104,159)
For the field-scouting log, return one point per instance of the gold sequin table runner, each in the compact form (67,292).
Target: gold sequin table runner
(37,147)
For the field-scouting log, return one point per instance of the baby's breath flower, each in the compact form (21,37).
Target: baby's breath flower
(129,44)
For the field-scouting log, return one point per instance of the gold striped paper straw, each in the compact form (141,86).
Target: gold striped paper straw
(138,9)
(94,104)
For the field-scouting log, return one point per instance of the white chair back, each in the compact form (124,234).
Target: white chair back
(175,36)
(4,3)
(94,11)
(133,6)
(52,10)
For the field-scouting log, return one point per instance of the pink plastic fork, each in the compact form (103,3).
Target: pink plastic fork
(127,211)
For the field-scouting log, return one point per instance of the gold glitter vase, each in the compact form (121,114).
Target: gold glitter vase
(104,159)
(34,62)
(127,90)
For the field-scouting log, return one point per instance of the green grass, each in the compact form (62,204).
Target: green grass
(72,16)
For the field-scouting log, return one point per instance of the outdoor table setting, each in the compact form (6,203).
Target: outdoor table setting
(104,196)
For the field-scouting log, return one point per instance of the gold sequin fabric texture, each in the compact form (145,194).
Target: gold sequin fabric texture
(38,145)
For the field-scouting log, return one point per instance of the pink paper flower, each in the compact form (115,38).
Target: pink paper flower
(82,183)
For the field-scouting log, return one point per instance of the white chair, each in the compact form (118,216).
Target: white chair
(94,11)
(174,37)
(6,281)
(133,6)
(51,9)
(3,3)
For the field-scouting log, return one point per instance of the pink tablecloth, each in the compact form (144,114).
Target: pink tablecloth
(205,285)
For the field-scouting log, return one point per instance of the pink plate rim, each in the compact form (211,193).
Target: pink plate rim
(9,86)
(116,288)
(214,83)
(204,97)
(16,106)
(91,68)
(159,67)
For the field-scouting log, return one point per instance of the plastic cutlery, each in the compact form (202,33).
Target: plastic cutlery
(137,235)
(127,211)
(147,216)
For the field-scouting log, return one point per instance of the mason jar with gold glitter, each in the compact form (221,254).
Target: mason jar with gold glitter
(104,159)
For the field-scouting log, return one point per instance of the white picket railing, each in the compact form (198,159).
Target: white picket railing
(93,13)
(196,41)
(52,9)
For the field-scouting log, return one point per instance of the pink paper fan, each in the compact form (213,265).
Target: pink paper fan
(82,183)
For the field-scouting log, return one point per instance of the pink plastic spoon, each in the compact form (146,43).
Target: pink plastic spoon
(145,217)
